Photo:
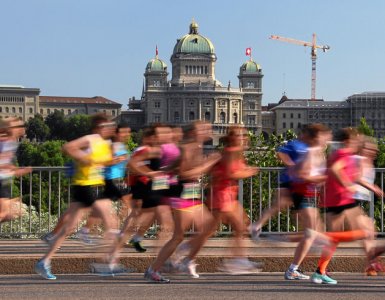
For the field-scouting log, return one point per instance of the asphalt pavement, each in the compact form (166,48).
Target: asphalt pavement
(209,286)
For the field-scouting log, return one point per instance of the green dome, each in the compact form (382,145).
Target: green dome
(250,66)
(194,42)
(156,64)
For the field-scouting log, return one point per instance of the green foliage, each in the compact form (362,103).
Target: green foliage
(57,124)
(364,128)
(36,129)
(259,191)
(77,126)
(41,154)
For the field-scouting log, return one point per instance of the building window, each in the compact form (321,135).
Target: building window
(206,70)
(69,111)
(191,116)
(251,119)
(176,116)
(291,116)
(284,115)
(250,85)
(222,117)
(284,125)
(299,125)
(201,69)
(207,116)
(251,105)
(1,109)
(13,110)
(20,110)
(48,111)
(194,69)
(156,83)
(113,113)
(157,104)
(31,110)
(156,118)
(299,116)
(291,125)
(186,69)
(7,110)
(41,111)
(190,69)
(235,118)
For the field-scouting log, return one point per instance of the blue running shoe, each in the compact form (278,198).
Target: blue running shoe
(44,271)
(322,278)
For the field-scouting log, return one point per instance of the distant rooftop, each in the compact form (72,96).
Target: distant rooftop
(86,100)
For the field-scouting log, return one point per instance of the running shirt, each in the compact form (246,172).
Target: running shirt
(336,193)
(99,152)
(7,156)
(118,170)
(368,175)
(225,189)
(296,150)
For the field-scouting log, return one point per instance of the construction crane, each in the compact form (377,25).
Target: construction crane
(313,54)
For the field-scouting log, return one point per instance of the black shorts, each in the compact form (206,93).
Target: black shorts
(112,191)
(87,194)
(300,201)
(336,210)
(5,188)
(284,185)
(143,191)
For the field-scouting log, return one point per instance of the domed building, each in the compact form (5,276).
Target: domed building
(194,92)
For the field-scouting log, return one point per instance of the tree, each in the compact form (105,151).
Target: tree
(364,128)
(57,124)
(77,126)
(37,129)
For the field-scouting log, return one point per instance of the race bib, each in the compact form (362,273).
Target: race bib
(160,183)
(191,190)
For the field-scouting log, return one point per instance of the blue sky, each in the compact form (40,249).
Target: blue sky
(101,47)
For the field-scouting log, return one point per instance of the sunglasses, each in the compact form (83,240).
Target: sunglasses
(109,124)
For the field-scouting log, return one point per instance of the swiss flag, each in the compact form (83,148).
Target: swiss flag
(248,51)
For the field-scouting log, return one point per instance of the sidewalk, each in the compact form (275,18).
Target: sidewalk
(19,256)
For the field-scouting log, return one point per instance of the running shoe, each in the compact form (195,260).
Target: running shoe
(44,271)
(374,268)
(322,278)
(296,275)
(85,237)
(155,277)
(240,266)
(255,232)
(105,269)
(138,247)
(48,238)
(188,267)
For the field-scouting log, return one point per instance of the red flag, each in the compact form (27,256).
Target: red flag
(248,52)
(156,50)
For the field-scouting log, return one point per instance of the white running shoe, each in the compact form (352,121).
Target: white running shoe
(189,267)
(240,266)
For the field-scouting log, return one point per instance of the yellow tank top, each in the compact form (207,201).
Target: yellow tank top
(99,152)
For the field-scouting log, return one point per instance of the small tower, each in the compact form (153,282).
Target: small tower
(155,73)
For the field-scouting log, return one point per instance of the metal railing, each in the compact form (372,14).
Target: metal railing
(46,193)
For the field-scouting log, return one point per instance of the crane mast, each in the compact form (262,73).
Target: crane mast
(313,56)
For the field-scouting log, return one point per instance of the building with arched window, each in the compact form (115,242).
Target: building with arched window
(194,92)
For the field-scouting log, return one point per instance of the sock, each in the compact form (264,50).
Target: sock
(293,267)
(347,236)
(325,258)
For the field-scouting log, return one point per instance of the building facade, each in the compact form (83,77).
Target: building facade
(195,93)
(24,103)
(18,101)
(293,113)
